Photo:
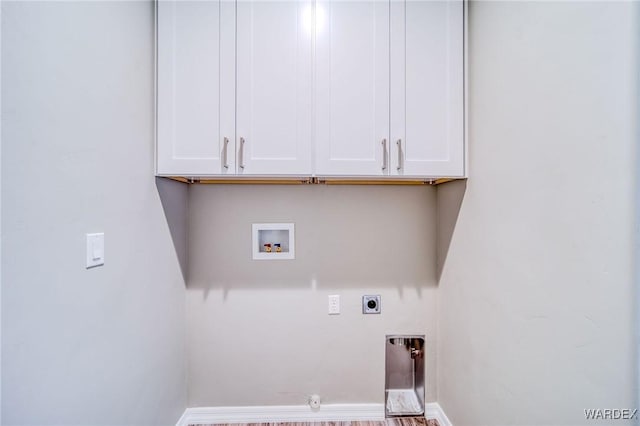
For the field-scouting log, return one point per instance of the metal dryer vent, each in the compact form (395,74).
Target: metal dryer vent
(404,375)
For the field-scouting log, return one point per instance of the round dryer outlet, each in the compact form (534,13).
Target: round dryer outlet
(371,304)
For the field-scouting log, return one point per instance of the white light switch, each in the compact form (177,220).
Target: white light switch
(95,250)
(334,304)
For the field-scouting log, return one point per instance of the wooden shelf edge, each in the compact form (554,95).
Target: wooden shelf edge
(330,181)
(357,181)
(312,180)
(242,181)
(446,180)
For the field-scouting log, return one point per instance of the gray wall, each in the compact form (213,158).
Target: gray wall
(536,297)
(259,332)
(106,345)
(0,220)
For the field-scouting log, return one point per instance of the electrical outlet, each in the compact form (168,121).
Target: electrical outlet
(371,304)
(334,304)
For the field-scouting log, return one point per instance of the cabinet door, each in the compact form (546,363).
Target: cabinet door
(352,87)
(427,88)
(274,83)
(189,138)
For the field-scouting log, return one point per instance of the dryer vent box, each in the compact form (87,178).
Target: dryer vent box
(404,375)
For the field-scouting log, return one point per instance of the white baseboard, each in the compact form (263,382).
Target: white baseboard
(281,413)
(433,410)
(297,413)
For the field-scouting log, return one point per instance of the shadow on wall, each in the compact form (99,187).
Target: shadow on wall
(346,237)
(449,198)
(175,203)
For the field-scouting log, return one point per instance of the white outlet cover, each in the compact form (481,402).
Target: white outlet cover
(334,304)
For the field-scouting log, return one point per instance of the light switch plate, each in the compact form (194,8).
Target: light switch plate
(95,250)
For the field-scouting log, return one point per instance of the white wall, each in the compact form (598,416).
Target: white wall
(536,297)
(259,332)
(106,345)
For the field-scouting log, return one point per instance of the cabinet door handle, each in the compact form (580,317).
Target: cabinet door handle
(385,159)
(241,154)
(225,163)
(399,143)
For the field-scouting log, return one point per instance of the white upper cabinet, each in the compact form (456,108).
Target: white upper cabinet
(234,88)
(189,82)
(274,83)
(352,88)
(427,87)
